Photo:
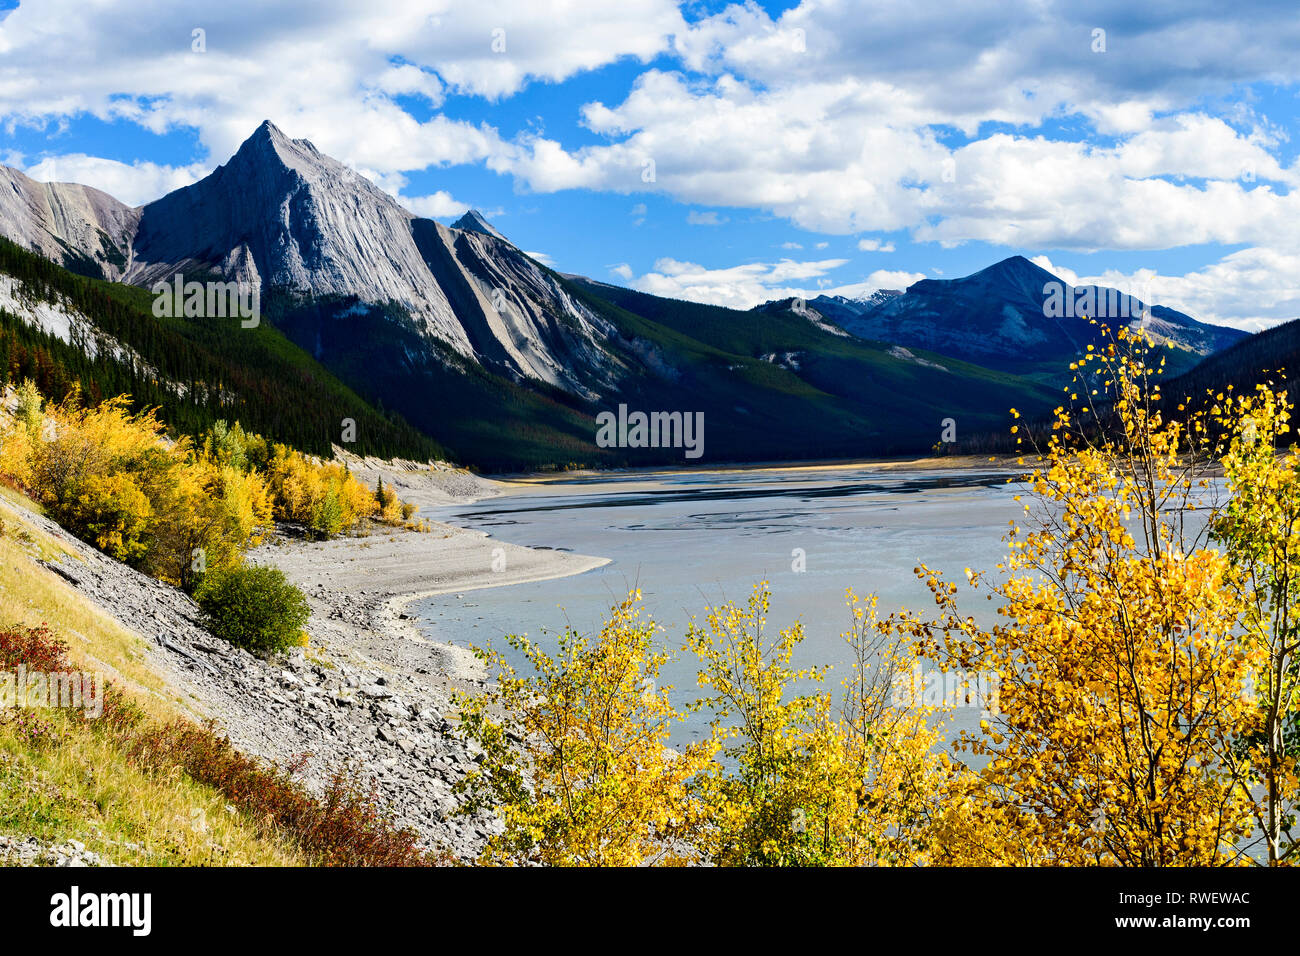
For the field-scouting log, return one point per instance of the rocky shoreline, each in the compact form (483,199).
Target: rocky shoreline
(370,694)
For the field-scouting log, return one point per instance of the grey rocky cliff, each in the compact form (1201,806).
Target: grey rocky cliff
(474,221)
(284,217)
(67,222)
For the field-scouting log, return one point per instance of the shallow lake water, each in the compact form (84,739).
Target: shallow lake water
(702,538)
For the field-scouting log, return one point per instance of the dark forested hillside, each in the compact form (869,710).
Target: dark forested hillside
(369,312)
(1272,355)
(770,384)
(195,370)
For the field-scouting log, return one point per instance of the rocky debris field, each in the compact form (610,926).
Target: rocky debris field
(384,712)
(29,851)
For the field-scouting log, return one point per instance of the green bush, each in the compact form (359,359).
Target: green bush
(255,608)
(327,515)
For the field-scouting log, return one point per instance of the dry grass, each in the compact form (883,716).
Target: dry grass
(84,787)
(31,595)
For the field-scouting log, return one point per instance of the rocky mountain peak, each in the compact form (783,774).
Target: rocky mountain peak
(285,216)
(1000,317)
(79,227)
(1014,277)
(474,221)
(282,214)
(269,144)
(270,153)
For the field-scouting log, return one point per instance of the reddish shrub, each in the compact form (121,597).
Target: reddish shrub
(39,650)
(36,647)
(344,827)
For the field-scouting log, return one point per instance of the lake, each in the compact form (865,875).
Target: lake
(690,540)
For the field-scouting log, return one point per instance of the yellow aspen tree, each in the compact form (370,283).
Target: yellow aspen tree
(802,782)
(1260,527)
(903,812)
(1121,671)
(576,759)
(767,801)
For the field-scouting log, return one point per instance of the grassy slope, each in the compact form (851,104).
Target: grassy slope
(85,789)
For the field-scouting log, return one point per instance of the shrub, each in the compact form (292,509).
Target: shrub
(345,826)
(611,792)
(327,514)
(111,478)
(30,408)
(324,496)
(38,650)
(20,435)
(255,608)
(116,515)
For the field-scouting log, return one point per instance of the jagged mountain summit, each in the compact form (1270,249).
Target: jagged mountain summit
(281,213)
(841,308)
(285,216)
(474,221)
(1017,316)
(293,222)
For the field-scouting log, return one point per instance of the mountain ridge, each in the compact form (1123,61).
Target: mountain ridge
(282,215)
(474,221)
(1016,316)
(501,359)
(80,227)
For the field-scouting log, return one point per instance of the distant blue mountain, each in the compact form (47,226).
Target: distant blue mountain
(1017,317)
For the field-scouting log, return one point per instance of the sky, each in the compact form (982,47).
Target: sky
(721,152)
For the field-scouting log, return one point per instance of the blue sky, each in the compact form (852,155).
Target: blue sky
(796,148)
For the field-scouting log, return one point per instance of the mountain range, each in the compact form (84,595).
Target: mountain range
(1018,317)
(504,362)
